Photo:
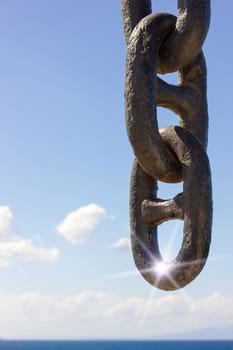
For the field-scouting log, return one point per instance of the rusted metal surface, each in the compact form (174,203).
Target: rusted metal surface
(162,43)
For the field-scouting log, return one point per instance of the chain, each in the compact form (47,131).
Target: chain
(162,43)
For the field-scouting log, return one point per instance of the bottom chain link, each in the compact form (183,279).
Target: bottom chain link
(194,206)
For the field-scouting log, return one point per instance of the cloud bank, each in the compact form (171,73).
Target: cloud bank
(14,246)
(24,248)
(77,225)
(95,315)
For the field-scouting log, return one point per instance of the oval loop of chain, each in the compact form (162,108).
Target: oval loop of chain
(185,42)
(194,206)
(170,155)
(185,39)
(140,94)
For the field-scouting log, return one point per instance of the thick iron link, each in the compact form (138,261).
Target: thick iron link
(185,39)
(164,43)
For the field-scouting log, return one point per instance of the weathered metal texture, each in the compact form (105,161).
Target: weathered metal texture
(163,43)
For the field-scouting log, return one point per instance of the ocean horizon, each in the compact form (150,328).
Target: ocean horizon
(116,344)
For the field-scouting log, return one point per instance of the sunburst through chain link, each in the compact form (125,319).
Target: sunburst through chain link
(162,43)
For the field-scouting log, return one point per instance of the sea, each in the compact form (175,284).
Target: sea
(115,345)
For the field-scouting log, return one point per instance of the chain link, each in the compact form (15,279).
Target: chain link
(162,43)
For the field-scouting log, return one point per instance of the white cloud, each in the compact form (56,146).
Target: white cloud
(4,263)
(77,225)
(122,244)
(24,248)
(17,247)
(6,220)
(103,315)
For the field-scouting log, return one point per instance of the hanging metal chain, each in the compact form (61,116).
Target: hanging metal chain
(162,43)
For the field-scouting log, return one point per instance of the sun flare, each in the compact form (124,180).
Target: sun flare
(161,268)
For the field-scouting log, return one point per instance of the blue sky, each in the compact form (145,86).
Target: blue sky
(66,269)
